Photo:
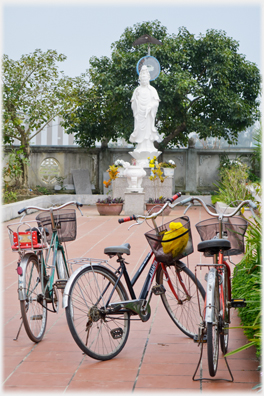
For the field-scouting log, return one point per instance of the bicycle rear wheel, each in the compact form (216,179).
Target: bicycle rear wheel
(213,326)
(184,312)
(224,311)
(33,309)
(99,333)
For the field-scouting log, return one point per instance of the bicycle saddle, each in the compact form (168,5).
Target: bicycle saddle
(121,249)
(213,245)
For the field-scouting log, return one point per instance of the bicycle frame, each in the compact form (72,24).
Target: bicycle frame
(54,246)
(135,305)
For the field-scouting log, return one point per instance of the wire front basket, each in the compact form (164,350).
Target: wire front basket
(234,229)
(65,223)
(172,241)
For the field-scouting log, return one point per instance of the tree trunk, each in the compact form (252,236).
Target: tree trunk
(161,146)
(25,161)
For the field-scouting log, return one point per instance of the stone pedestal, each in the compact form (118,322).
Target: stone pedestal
(134,203)
(152,189)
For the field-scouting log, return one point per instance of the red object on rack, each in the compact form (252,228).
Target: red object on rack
(25,240)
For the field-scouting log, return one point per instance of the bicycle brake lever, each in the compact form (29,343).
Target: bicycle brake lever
(135,224)
(80,210)
(188,207)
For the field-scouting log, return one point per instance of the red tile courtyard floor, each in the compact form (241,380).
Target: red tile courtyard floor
(157,356)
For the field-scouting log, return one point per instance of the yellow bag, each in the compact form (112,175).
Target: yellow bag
(177,245)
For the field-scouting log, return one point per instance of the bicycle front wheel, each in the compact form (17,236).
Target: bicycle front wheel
(33,309)
(98,332)
(184,309)
(213,326)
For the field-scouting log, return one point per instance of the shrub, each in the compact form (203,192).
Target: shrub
(233,183)
(246,284)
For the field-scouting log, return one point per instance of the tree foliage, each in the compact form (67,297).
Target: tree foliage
(34,93)
(205,86)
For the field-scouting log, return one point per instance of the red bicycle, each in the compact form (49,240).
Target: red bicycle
(221,236)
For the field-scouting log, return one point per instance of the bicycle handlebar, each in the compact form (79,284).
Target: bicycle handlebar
(154,215)
(191,199)
(78,204)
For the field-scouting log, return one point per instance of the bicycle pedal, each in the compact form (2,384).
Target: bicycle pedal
(197,339)
(238,302)
(158,290)
(60,283)
(116,333)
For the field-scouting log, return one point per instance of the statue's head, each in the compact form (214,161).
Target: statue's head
(144,75)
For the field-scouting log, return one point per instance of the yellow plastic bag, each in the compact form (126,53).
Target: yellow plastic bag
(177,245)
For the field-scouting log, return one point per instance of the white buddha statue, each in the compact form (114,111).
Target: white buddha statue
(144,103)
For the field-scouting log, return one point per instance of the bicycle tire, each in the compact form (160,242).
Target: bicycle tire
(224,328)
(185,315)
(213,329)
(92,331)
(34,312)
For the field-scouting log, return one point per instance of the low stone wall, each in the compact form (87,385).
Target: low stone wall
(9,211)
(196,171)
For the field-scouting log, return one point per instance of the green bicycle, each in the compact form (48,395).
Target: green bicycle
(39,245)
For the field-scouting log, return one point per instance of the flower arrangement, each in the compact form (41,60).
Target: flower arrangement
(168,164)
(121,163)
(110,200)
(156,170)
(113,172)
(160,200)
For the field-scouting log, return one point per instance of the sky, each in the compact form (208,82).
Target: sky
(88,28)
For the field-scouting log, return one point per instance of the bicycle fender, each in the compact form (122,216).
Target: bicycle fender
(22,278)
(69,283)
(210,304)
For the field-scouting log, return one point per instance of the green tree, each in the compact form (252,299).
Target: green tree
(34,93)
(205,86)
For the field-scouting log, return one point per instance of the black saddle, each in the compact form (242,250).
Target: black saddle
(213,246)
(121,249)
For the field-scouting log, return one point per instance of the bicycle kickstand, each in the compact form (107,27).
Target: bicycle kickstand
(201,340)
(15,339)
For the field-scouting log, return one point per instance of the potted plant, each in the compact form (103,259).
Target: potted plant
(168,167)
(110,206)
(154,205)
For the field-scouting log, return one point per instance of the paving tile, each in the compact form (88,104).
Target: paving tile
(162,357)
(163,382)
(102,386)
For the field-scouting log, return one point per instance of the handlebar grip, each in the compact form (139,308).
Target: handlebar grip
(253,205)
(176,196)
(187,200)
(79,204)
(21,210)
(133,217)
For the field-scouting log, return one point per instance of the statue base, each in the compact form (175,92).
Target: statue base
(142,157)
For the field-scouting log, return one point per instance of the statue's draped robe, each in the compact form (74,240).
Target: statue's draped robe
(144,103)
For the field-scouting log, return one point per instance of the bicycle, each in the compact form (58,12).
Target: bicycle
(224,237)
(39,245)
(98,307)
